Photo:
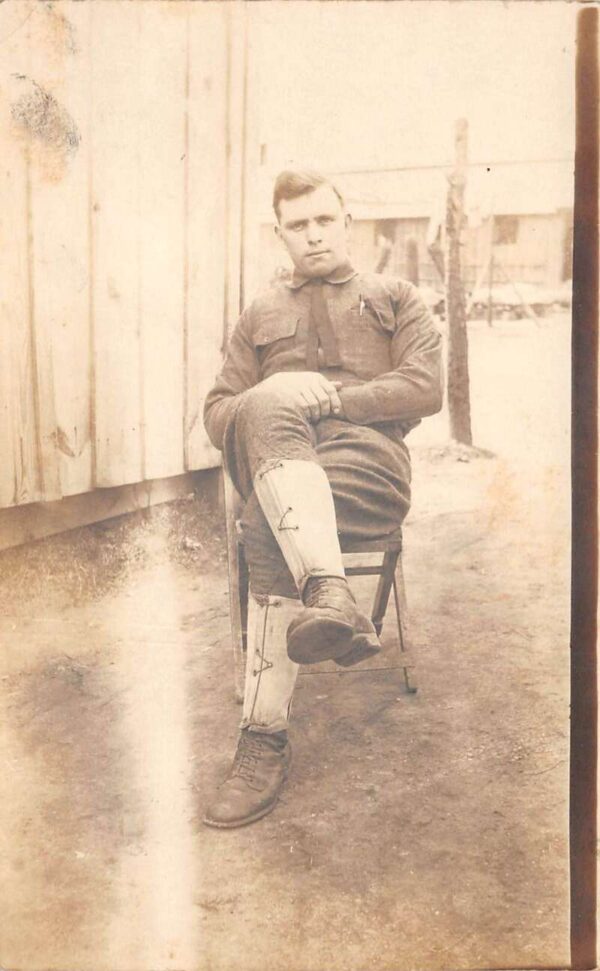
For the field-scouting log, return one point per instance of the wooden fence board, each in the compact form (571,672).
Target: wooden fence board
(206,188)
(59,183)
(19,473)
(13,296)
(40,127)
(115,270)
(253,203)
(236,145)
(162,155)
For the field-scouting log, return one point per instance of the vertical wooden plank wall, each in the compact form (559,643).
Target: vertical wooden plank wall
(161,153)
(121,201)
(237,34)
(206,189)
(253,202)
(59,70)
(19,471)
(115,270)
(43,124)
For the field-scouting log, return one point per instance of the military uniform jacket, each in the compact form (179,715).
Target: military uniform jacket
(388,350)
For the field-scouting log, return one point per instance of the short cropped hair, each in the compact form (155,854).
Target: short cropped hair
(292,183)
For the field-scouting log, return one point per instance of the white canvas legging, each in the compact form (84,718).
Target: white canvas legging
(368,471)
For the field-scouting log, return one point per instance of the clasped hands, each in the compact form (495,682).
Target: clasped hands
(314,394)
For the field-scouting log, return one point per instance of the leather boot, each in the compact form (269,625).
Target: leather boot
(331,627)
(252,787)
(296,499)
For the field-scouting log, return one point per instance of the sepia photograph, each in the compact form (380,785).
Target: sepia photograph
(286,295)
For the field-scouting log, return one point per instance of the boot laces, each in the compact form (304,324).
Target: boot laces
(248,755)
(318,591)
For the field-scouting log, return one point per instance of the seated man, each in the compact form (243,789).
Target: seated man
(323,378)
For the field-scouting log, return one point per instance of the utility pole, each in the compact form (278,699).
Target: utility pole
(459,404)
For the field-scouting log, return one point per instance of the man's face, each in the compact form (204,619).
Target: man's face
(315,231)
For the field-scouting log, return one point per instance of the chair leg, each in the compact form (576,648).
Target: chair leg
(238,585)
(244,593)
(403,628)
(382,594)
(237,638)
(239,625)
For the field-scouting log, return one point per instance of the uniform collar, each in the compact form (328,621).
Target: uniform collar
(341,274)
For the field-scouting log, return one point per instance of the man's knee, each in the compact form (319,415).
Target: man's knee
(267,405)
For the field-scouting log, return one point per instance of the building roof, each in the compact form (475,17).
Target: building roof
(504,188)
(516,188)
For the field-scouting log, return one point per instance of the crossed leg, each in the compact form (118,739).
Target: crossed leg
(368,474)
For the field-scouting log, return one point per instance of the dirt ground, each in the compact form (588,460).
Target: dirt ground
(423,831)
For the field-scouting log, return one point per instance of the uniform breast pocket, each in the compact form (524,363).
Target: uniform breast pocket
(373,314)
(276,328)
(367,331)
(278,342)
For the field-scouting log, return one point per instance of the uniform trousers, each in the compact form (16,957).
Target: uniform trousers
(368,472)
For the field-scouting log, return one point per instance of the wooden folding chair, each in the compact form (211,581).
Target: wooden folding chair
(389,571)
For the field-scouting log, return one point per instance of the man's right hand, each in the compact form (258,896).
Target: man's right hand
(317,396)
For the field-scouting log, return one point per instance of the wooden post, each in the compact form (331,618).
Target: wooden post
(490,309)
(458,357)
(412,260)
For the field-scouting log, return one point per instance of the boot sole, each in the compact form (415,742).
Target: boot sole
(235,824)
(360,651)
(319,639)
